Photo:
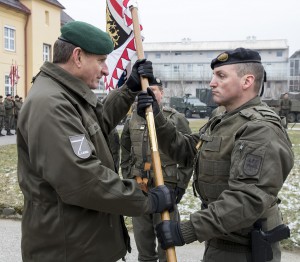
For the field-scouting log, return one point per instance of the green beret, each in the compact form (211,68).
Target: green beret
(239,55)
(88,37)
(155,82)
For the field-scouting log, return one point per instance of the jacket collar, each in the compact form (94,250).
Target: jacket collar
(72,83)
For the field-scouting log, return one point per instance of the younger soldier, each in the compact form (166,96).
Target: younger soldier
(136,164)
(241,157)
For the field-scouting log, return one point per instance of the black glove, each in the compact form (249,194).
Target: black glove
(146,99)
(161,198)
(169,234)
(140,68)
(178,192)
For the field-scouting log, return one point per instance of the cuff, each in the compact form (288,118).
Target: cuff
(188,232)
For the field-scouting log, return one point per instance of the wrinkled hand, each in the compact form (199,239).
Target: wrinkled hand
(140,68)
(161,198)
(146,99)
(179,192)
(169,234)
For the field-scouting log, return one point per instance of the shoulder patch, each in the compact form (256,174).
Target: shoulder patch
(252,164)
(80,146)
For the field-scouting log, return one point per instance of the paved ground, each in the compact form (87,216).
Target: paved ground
(10,251)
(7,140)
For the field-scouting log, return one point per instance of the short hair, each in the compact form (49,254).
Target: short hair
(255,69)
(62,51)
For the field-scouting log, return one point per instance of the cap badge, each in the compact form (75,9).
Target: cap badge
(223,57)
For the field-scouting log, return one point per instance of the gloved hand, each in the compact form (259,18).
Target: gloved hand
(140,68)
(161,198)
(146,99)
(169,234)
(178,192)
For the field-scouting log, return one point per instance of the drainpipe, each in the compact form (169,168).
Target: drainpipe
(25,55)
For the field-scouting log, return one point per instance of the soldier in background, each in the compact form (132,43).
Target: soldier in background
(136,164)
(17,108)
(9,114)
(285,108)
(114,144)
(2,115)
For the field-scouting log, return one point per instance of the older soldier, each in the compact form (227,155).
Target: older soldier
(136,164)
(2,115)
(73,197)
(242,158)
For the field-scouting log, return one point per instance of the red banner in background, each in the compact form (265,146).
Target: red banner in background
(14,75)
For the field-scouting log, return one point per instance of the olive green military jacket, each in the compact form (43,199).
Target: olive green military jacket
(240,167)
(136,150)
(2,109)
(285,104)
(9,107)
(17,107)
(73,198)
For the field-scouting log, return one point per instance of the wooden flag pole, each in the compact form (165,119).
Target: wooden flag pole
(159,180)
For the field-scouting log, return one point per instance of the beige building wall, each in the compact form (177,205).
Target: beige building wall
(14,20)
(40,27)
(43,28)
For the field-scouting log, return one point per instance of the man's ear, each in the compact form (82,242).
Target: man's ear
(76,55)
(247,81)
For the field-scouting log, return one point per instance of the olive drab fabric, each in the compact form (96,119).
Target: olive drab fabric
(243,161)
(285,104)
(136,149)
(135,158)
(73,197)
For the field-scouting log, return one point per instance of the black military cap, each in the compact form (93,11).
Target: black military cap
(236,56)
(155,82)
(8,95)
(1,96)
(88,37)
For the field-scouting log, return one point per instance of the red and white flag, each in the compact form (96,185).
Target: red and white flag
(14,75)
(120,28)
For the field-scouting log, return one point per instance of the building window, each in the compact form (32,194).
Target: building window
(47,17)
(190,67)
(176,68)
(279,53)
(46,52)
(158,55)
(177,53)
(7,86)
(9,38)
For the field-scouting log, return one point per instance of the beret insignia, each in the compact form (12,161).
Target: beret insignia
(223,57)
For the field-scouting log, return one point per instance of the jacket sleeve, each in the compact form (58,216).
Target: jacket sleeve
(184,173)
(84,182)
(126,151)
(114,108)
(260,162)
(180,147)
